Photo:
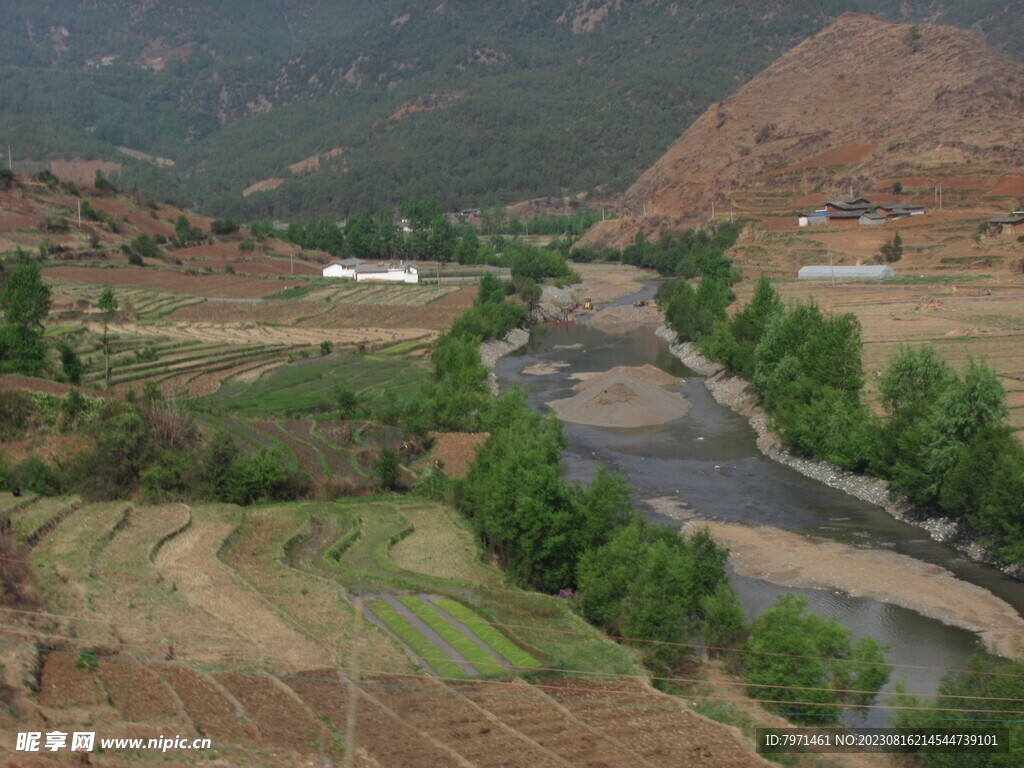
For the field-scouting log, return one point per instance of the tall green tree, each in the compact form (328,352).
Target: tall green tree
(107,304)
(808,668)
(25,301)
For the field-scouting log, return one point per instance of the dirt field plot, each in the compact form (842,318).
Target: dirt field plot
(482,740)
(137,692)
(654,726)
(206,705)
(231,610)
(527,709)
(63,684)
(380,731)
(281,719)
(172,281)
(145,304)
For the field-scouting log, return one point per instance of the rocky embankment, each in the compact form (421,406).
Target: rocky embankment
(737,394)
(492,351)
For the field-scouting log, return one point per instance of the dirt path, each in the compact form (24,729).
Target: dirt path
(793,560)
(190,562)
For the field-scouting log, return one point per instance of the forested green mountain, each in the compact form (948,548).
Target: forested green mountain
(469,101)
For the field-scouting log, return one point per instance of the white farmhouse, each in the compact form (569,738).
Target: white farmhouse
(344,268)
(394,273)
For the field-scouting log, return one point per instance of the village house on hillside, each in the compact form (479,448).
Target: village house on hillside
(343,268)
(1007,225)
(859,209)
(360,271)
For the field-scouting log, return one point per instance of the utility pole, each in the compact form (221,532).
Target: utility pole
(79,212)
(712,210)
(645,209)
(940,197)
(831,268)
(10,162)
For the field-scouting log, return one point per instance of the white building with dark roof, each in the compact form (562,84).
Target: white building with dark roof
(343,268)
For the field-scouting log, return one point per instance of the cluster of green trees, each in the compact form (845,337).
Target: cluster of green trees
(945,440)
(981,697)
(431,236)
(152,445)
(496,220)
(682,254)
(25,302)
(633,579)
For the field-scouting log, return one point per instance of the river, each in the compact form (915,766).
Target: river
(709,460)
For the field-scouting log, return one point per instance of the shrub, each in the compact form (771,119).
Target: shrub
(16,413)
(35,475)
(386,468)
(223,227)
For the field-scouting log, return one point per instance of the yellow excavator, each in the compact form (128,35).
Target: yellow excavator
(588,303)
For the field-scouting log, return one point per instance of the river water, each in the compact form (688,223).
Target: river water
(710,460)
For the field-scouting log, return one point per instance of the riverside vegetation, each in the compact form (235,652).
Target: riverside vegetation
(663,591)
(944,440)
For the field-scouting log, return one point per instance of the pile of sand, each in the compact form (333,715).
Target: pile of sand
(543,369)
(627,314)
(620,399)
(649,373)
(927,304)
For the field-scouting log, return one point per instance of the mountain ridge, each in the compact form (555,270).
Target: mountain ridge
(856,107)
(539,99)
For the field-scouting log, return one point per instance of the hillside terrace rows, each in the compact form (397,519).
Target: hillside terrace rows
(187,619)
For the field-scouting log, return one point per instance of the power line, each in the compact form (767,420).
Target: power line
(554,630)
(444,687)
(608,676)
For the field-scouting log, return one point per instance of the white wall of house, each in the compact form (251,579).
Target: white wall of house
(394,275)
(337,270)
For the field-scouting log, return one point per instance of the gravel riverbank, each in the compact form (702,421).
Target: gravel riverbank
(736,393)
(492,351)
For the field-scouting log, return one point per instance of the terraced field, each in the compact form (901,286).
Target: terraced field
(145,304)
(176,366)
(368,293)
(240,625)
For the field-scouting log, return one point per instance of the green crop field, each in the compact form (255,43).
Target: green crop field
(309,384)
(411,636)
(347,292)
(516,655)
(484,663)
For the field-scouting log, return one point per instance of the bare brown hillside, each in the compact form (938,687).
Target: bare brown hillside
(860,105)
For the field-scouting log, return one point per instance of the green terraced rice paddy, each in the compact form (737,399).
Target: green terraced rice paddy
(515,655)
(409,635)
(483,662)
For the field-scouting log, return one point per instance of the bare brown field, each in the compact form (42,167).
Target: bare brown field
(218,257)
(82,171)
(841,155)
(228,286)
(1014,185)
(456,450)
(960,293)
